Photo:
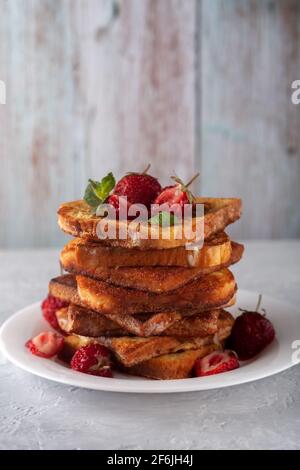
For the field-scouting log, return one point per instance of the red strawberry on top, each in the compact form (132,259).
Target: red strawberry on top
(251,333)
(176,196)
(216,363)
(49,308)
(92,359)
(46,344)
(139,188)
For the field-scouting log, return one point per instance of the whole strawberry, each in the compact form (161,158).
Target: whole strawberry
(92,359)
(49,308)
(251,333)
(139,188)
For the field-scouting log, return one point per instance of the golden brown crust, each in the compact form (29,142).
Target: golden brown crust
(171,366)
(76,219)
(212,291)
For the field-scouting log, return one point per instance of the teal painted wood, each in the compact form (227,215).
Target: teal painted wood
(250,130)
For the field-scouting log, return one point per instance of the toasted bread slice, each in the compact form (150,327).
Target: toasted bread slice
(211,291)
(77,219)
(80,321)
(151,279)
(89,256)
(171,366)
(133,350)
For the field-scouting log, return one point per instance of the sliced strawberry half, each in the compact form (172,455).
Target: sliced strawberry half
(174,198)
(46,344)
(93,359)
(172,195)
(216,363)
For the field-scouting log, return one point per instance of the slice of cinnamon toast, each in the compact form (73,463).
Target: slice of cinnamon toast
(209,292)
(84,322)
(77,219)
(88,255)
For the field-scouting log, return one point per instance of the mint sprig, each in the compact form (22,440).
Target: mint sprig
(163,219)
(97,191)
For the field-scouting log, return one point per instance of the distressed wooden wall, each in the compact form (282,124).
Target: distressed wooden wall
(100,85)
(250,141)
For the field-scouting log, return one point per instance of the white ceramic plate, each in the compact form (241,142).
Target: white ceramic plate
(277,357)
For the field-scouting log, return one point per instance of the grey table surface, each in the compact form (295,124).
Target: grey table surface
(39,414)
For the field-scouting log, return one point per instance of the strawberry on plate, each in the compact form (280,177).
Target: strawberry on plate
(251,333)
(93,359)
(216,363)
(49,308)
(47,344)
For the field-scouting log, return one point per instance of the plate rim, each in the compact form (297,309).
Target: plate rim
(143,386)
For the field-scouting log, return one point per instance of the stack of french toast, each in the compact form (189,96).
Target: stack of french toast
(156,304)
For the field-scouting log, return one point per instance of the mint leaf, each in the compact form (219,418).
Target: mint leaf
(90,197)
(164,219)
(97,191)
(103,188)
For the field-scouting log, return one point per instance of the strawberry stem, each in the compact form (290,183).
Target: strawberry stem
(146,169)
(192,180)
